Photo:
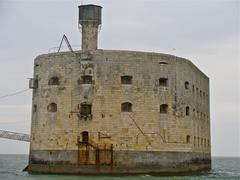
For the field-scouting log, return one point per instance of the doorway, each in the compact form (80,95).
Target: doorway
(85,137)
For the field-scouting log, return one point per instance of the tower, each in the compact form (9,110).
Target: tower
(89,20)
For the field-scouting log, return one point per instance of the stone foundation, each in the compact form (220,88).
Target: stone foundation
(123,162)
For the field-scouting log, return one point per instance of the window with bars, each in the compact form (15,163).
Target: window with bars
(163,82)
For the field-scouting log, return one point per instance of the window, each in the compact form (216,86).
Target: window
(86,79)
(53,81)
(126,107)
(86,109)
(187,111)
(34,108)
(194,113)
(193,88)
(52,107)
(163,82)
(164,108)
(126,79)
(186,85)
(163,63)
(188,139)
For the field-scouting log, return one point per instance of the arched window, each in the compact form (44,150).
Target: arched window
(53,81)
(186,85)
(86,79)
(126,79)
(163,82)
(52,107)
(187,111)
(163,108)
(126,107)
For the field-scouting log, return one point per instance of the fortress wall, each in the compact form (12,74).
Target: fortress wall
(144,129)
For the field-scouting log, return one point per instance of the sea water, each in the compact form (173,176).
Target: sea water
(11,167)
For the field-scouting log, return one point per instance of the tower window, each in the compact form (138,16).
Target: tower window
(187,111)
(163,108)
(86,79)
(188,139)
(86,109)
(53,81)
(162,63)
(52,107)
(126,107)
(163,82)
(126,79)
(186,85)
(34,108)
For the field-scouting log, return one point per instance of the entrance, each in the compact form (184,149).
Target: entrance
(85,137)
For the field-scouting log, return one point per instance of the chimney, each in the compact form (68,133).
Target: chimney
(89,19)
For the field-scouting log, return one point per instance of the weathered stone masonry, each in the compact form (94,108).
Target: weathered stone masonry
(105,111)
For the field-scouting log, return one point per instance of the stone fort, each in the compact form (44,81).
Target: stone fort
(100,111)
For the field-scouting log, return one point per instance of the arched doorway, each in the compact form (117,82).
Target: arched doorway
(84,137)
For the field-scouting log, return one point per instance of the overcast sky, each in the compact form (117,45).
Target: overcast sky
(204,31)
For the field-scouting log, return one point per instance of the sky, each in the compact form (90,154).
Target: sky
(204,31)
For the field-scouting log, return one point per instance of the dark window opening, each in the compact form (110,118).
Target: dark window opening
(164,108)
(126,107)
(52,107)
(163,63)
(86,109)
(85,136)
(86,80)
(163,82)
(53,81)
(186,85)
(34,108)
(193,88)
(187,111)
(126,79)
(188,139)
